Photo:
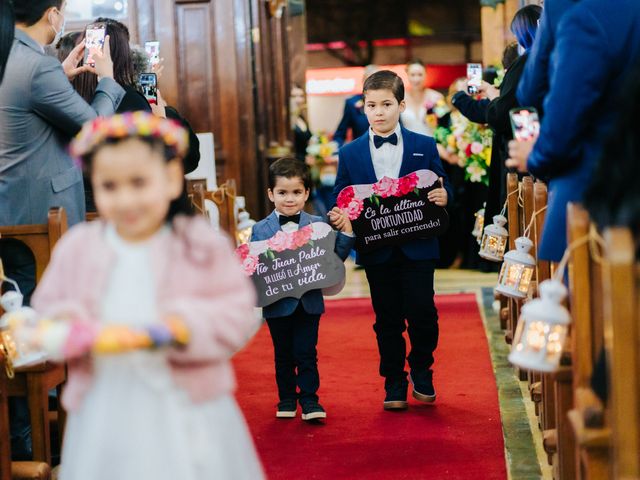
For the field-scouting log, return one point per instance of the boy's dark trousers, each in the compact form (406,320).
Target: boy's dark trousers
(402,289)
(294,342)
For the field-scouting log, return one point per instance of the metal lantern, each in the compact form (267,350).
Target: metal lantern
(243,230)
(478,226)
(542,330)
(517,270)
(18,351)
(494,240)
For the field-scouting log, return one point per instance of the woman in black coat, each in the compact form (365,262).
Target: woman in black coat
(495,110)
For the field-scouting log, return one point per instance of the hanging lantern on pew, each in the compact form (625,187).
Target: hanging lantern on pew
(542,330)
(517,270)
(245,224)
(478,226)
(494,240)
(17,351)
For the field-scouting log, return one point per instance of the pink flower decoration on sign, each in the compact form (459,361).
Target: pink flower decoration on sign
(345,196)
(242,251)
(354,208)
(407,184)
(386,187)
(301,237)
(249,264)
(279,242)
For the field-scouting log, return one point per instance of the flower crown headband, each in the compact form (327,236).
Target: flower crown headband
(130,124)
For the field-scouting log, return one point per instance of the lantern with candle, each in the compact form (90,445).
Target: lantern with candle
(494,240)
(542,330)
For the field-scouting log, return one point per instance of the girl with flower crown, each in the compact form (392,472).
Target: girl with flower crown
(147,266)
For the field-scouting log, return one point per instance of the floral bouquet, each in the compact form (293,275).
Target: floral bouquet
(471,142)
(435,111)
(321,154)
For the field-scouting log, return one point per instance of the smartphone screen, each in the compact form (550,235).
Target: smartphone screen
(474,77)
(153,52)
(93,38)
(149,84)
(525,123)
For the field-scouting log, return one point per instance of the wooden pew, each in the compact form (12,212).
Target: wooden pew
(35,381)
(622,337)
(543,272)
(14,470)
(514,227)
(527,211)
(587,333)
(223,197)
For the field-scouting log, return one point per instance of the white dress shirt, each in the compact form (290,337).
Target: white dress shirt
(387,159)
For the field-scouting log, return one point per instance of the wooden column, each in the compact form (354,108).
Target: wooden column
(496,34)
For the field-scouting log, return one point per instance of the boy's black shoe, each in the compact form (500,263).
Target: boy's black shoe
(313,411)
(396,398)
(423,390)
(287,408)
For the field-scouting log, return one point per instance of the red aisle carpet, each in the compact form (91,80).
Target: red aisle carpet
(460,437)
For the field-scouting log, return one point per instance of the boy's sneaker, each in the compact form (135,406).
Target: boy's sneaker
(423,390)
(396,397)
(313,411)
(287,408)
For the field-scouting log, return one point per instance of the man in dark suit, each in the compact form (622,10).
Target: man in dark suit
(534,84)
(354,117)
(596,48)
(400,276)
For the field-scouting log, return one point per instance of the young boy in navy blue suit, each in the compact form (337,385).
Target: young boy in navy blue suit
(400,277)
(293,323)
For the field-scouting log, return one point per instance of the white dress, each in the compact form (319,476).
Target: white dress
(134,423)
(418,122)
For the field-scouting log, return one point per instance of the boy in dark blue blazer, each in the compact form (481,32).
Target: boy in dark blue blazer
(400,277)
(293,323)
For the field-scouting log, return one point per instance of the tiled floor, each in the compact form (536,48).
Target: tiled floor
(523,443)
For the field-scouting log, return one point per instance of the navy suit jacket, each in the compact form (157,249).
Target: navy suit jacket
(312,301)
(597,46)
(355,167)
(534,83)
(353,118)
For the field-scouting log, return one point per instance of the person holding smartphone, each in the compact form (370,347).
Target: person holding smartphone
(39,114)
(494,110)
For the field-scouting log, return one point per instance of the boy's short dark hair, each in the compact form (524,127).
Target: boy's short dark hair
(289,167)
(30,11)
(385,80)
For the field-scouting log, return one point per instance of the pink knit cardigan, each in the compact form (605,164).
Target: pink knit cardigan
(197,278)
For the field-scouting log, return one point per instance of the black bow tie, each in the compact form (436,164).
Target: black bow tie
(378,141)
(293,218)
